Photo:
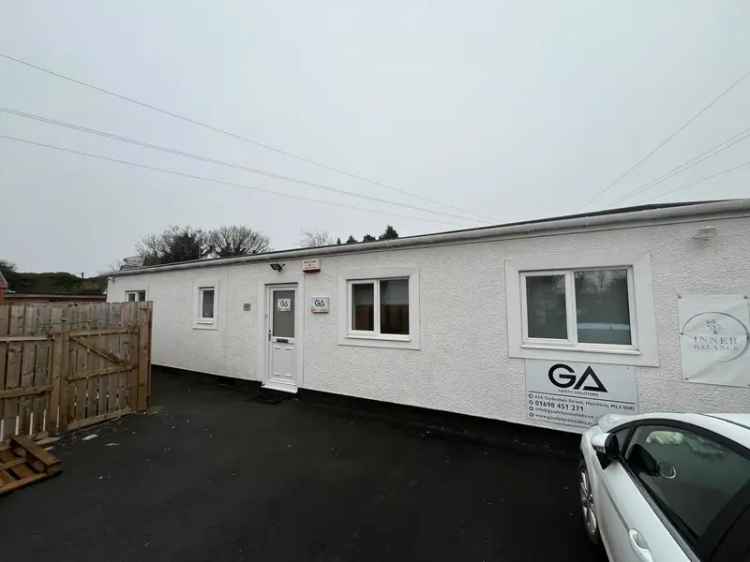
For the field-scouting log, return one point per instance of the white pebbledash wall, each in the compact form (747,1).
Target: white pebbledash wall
(462,364)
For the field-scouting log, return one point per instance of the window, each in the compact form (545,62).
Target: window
(283,313)
(379,308)
(691,476)
(363,307)
(585,308)
(206,298)
(135,296)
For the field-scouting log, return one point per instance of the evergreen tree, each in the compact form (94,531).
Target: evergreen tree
(389,233)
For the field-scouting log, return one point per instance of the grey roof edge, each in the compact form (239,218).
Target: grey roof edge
(610,217)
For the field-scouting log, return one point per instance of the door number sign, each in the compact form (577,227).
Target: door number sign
(284,304)
(320,305)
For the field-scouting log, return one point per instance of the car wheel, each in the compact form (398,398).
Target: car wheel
(587,504)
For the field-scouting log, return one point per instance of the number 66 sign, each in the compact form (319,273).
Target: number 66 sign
(320,304)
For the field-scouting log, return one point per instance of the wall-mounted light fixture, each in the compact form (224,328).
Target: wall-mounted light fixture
(278,267)
(705,233)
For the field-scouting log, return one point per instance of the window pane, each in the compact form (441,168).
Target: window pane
(142,296)
(394,306)
(545,303)
(692,476)
(207,303)
(131,297)
(283,314)
(602,306)
(363,309)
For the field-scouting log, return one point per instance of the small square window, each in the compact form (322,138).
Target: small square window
(136,296)
(379,308)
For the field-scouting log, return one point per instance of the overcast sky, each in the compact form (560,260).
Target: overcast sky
(510,110)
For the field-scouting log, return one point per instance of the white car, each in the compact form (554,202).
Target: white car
(668,487)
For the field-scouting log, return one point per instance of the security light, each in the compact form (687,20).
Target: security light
(277,267)
(705,233)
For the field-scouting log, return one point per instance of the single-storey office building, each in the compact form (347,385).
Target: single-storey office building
(551,322)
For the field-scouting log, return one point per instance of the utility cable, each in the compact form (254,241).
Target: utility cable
(233,135)
(209,160)
(668,138)
(212,180)
(692,162)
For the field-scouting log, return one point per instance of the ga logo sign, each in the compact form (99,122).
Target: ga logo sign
(564,376)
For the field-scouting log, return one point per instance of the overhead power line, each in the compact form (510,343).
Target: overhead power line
(231,134)
(692,184)
(694,161)
(667,139)
(214,180)
(218,162)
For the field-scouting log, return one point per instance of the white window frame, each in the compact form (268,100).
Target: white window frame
(206,319)
(199,321)
(571,316)
(644,352)
(374,338)
(375,333)
(135,292)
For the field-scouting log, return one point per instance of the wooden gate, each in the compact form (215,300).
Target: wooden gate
(65,366)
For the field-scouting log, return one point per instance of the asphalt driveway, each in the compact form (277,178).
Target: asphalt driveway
(213,475)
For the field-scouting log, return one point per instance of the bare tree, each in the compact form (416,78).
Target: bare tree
(236,240)
(315,239)
(175,244)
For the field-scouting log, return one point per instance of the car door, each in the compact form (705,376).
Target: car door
(690,478)
(631,529)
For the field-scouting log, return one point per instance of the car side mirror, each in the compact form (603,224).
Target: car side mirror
(607,448)
(643,461)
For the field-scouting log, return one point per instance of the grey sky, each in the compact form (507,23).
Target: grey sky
(513,109)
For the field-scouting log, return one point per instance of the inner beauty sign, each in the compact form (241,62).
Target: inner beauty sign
(573,396)
(714,339)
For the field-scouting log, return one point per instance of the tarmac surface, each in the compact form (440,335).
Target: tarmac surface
(213,474)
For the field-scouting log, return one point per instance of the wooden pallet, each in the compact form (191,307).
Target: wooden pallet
(24,462)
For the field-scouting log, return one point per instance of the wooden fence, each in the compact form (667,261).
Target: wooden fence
(65,366)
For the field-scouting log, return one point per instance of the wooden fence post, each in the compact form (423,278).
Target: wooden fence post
(143,316)
(55,409)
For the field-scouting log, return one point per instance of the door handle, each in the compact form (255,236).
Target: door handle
(640,546)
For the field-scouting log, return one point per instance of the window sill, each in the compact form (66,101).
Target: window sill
(198,325)
(381,337)
(392,342)
(584,349)
(607,356)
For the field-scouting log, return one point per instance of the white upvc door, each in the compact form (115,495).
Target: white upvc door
(281,304)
